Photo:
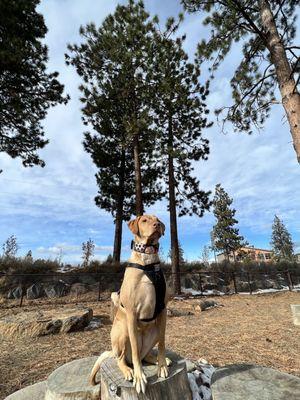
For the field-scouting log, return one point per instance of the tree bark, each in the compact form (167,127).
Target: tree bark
(119,213)
(287,85)
(173,216)
(138,177)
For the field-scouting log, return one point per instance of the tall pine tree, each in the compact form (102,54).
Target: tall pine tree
(226,236)
(27,90)
(269,59)
(115,63)
(180,111)
(281,241)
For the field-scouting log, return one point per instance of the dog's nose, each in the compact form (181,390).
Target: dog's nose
(156,224)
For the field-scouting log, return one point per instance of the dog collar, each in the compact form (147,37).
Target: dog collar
(145,248)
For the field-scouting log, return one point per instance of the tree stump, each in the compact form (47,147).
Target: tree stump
(175,387)
(70,381)
(253,382)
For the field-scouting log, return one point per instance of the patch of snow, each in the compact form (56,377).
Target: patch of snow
(204,293)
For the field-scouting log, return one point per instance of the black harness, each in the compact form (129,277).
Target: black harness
(156,276)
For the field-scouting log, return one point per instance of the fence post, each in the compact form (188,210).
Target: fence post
(99,289)
(234,282)
(200,284)
(22,296)
(249,282)
(289,279)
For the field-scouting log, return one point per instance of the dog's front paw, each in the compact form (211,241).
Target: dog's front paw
(139,381)
(163,371)
(128,373)
(168,361)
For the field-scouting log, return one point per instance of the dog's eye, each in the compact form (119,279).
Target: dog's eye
(144,220)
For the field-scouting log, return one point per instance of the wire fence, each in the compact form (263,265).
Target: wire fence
(96,286)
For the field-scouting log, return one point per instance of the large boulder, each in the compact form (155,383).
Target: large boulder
(41,323)
(191,282)
(57,289)
(15,293)
(34,291)
(78,289)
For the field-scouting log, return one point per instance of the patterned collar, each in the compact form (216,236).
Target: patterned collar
(144,248)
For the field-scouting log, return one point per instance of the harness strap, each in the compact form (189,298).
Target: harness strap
(156,276)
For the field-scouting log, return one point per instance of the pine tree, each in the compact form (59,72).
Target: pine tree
(26,89)
(180,117)
(281,241)
(114,62)
(10,247)
(226,236)
(29,257)
(88,249)
(270,58)
(181,254)
(121,52)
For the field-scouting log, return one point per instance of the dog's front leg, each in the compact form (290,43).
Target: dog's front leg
(162,371)
(139,378)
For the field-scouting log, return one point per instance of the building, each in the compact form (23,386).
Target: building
(252,253)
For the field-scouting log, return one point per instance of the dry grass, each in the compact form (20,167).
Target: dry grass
(250,329)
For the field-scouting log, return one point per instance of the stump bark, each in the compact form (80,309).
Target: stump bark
(175,387)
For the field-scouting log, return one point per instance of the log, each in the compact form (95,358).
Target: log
(175,387)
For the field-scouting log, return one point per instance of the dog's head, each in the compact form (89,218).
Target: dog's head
(147,227)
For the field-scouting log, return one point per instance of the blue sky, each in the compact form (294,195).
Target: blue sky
(52,210)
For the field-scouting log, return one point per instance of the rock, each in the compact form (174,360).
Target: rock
(34,291)
(207,304)
(251,382)
(191,281)
(94,323)
(57,289)
(33,392)
(15,293)
(78,289)
(210,286)
(40,323)
(70,381)
(171,312)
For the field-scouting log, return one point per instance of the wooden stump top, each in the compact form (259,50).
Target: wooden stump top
(175,387)
(70,381)
(253,382)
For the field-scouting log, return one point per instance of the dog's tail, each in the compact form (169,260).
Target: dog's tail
(97,365)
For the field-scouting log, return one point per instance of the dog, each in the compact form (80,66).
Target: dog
(140,308)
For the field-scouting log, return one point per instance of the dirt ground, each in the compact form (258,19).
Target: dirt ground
(248,329)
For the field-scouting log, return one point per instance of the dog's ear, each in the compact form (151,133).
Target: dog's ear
(163,228)
(134,225)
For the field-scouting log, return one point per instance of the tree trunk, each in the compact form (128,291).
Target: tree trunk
(138,177)
(119,213)
(173,217)
(287,85)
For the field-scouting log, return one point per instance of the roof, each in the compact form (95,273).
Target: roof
(256,248)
